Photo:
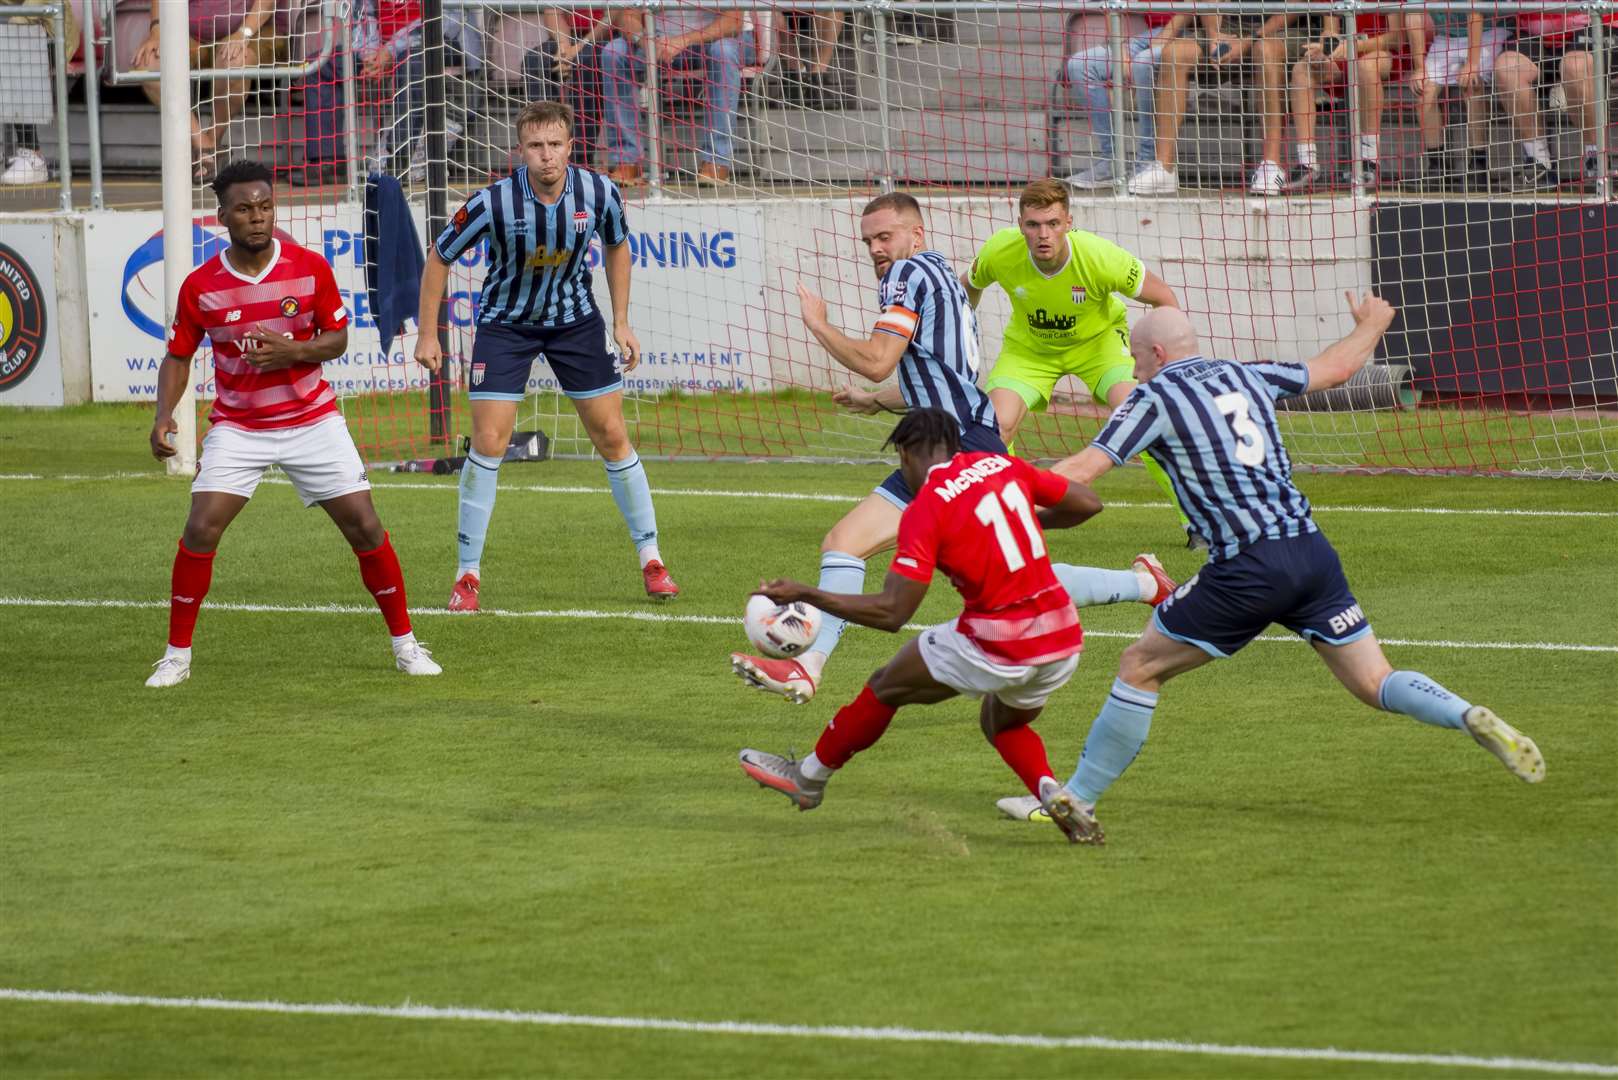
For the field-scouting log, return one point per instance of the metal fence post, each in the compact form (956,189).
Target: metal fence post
(1603,177)
(1352,87)
(1120,76)
(64,144)
(351,111)
(432,24)
(654,105)
(92,106)
(884,112)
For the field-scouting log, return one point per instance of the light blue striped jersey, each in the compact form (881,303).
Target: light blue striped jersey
(1211,425)
(537,272)
(923,301)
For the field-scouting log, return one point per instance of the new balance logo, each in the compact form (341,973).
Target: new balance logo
(387,591)
(233,316)
(184,599)
(1346,619)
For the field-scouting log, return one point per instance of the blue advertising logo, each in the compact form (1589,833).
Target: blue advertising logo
(204,246)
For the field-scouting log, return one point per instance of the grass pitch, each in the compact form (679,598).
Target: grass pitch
(558,823)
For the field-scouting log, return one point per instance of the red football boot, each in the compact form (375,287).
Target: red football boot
(659,586)
(464,596)
(788,678)
(1165,584)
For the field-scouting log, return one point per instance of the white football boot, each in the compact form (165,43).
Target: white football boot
(412,658)
(1516,751)
(172,670)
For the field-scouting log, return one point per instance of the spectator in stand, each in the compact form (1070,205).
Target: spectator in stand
(1381,53)
(573,59)
(1461,53)
(806,58)
(1553,48)
(691,40)
(1089,78)
(224,34)
(1252,44)
(389,66)
(24,163)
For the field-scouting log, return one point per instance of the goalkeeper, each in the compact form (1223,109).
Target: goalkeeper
(1066,315)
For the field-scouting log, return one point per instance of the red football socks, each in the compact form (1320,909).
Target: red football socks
(188,584)
(857,725)
(379,569)
(1024,751)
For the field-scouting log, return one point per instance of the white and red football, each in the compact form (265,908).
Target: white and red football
(780,630)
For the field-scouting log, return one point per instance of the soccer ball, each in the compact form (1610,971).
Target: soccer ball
(780,630)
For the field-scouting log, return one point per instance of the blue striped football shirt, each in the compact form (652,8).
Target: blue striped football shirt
(1211,425)
(537,270)
(923,301)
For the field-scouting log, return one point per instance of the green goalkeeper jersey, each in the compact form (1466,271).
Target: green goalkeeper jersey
(1051,315)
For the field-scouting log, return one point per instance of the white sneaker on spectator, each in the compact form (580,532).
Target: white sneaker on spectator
(26,167)
(1268,179)
(1154,179)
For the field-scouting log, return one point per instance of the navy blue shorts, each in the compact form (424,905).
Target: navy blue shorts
(976,439)
(502,357)
(1298,583)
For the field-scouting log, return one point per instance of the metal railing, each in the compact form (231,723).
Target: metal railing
(328,21)
(334,32)
(881,13)
(57,13)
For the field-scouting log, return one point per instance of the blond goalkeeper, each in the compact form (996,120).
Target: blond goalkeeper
(1067,317)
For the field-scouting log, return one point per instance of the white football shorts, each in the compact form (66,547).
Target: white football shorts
(319,458)
(1447,55)
(959,664)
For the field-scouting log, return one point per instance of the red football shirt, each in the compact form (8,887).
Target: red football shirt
(295,296)
(974,520)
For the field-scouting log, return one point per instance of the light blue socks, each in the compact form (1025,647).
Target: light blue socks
(1414,694)
(633,495)
(479,478)
(840,572)
(1115,738)
(1090,586)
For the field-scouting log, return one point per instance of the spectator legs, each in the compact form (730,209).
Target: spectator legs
(1514,79)
(1089,73)
(1143,62)
(1270,54)
(584,95)
(1578,83)
(1173,88)
(722,63)
(621,73)
(323,127)
(1372,72)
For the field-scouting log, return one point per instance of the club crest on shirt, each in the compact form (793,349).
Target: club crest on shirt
(581,220)
(289,307)
(1078,294)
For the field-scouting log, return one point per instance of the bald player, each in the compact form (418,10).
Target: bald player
(1211,425)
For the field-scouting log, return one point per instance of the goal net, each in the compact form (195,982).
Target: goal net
(746,159)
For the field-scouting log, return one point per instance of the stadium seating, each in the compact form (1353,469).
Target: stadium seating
(975,105)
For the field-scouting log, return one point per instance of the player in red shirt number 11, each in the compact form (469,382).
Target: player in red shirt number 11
(1016,642)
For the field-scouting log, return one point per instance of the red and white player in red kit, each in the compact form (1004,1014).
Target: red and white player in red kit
(1015,644)
(273,314)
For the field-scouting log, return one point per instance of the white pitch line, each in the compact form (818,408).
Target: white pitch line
(809,496)
(809,1031)
(708,620)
